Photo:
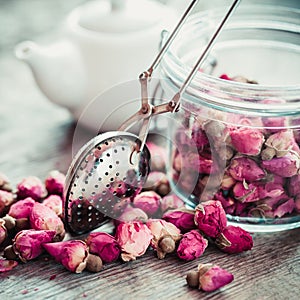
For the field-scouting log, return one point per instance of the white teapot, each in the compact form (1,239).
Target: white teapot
(105,43)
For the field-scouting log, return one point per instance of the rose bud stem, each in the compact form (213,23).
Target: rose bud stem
(167,244)
(9,253)
(94,263)
(10,222)
(192,279)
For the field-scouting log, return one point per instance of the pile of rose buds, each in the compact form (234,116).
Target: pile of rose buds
(253,167)
(31,224)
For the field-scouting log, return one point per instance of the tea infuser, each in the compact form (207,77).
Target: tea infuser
(113,166)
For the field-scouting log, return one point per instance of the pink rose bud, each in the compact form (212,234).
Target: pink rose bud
(104,245)
(199,136)
(22,208)
(165,236)
(227,182)
(149,202)
(286,166)
(228,202)
(212,277)
(3,231)
(234,239)
(55,182)
(245,168)
(6,199)
(134,239)
(169,202)
(294,186)
(132,214)
(158,157)
(270,189)
(31,187)
(4,183)
(55,203)
(71,254)
(44,218)
(28,244)
(284,208)
(210,218)
(247,140)
(278,144)
(157,182)
(7,265)
(191,246)
(244,192)
(182,218)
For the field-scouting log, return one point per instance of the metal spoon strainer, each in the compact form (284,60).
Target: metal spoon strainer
(112,167)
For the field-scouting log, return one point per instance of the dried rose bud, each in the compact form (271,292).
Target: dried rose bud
(7,265)
(149,202)
(31,187)
(4,183)
(55,203)
(234,239)
(131,214)
(3,231)
(212,277)
(22,208)
(55,182)
(191,246)
(227,182)
(198,163)
(286,166)
(182,218)
(245,168)
(227,202)
(270,189)
(158,157)
(284,208)
(260,211)
(94,263)
(104,245)
(28,244)
(278,144)
(6,199)
(134,239)
(199,136)
(244,192)
(165,236)
(44,218)
(293,185)
(210,218)
(169,202)
(247,140)
(157,182)
(71,254)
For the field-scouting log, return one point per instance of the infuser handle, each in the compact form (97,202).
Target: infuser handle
(146,75)
(176,98)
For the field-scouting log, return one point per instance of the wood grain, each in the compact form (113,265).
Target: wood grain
(36,137)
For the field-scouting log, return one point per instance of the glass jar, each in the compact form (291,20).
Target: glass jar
(234,140)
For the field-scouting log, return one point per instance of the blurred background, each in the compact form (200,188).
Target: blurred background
(33,130)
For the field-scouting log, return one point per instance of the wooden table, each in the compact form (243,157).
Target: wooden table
(36,137)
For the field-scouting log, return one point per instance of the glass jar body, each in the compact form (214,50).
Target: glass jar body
(233,141)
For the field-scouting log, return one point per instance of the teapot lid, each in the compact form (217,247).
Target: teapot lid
(122,16)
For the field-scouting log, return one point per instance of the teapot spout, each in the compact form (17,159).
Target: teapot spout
(57,69)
